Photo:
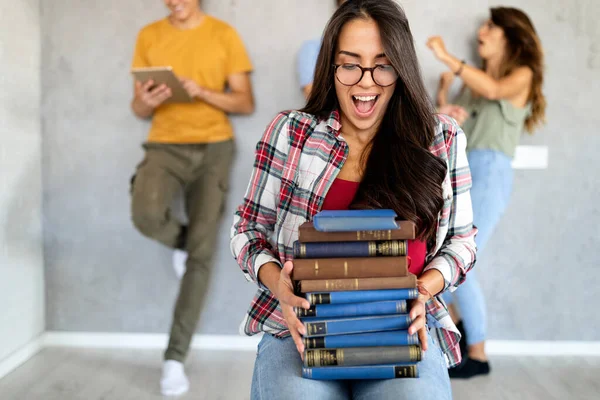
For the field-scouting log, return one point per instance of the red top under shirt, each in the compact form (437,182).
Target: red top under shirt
(340,196)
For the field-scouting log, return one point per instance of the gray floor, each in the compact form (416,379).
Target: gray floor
(74,374)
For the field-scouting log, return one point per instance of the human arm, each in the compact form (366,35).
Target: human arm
(507,87)
(146,98)
(238,100)
(254,223)
(456,255)
(446,79)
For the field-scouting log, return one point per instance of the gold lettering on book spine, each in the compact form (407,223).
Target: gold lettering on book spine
(316,268)
(390,248)
(345,268)
(303,250)
(406,371)
(373,250)
(324,358)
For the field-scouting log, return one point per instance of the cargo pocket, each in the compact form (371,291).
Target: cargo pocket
(137,169)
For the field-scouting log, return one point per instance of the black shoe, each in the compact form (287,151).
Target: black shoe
(469,368)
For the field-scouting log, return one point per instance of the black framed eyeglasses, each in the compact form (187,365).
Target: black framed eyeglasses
(350,74)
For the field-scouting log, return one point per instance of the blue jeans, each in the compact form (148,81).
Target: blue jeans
(492,177)
(278,376)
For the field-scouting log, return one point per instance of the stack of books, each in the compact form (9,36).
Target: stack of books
(352,266)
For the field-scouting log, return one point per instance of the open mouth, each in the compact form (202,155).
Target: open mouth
(365,105)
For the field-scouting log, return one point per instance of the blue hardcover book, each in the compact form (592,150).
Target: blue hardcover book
(353,309)
(361,296)
(387,248)
(366,372)
(344,326)
(374,339)
(354,220)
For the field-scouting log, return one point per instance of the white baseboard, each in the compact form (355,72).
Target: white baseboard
(146,341)
(20,356)
(243,343)
(542,348)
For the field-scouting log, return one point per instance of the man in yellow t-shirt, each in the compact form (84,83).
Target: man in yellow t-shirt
(189,147)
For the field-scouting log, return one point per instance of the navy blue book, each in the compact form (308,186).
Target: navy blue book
(353,309)
(366,372)
(361,296)
(355,220)
(344,326)
(374,339)
(385,248)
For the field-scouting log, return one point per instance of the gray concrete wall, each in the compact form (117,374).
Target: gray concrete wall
(103,276)
(21,264)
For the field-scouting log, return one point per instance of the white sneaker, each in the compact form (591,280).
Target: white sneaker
(179,259)
(173,382)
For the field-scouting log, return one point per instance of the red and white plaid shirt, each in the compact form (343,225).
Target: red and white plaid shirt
(297,160)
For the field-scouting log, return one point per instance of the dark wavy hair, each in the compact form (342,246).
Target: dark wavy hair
(524,48)
(400,172)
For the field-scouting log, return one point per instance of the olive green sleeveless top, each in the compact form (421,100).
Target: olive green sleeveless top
(492,124)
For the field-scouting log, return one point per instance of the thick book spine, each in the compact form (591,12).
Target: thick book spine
(353,224)
(307,234)
(362,267)
(352,220)
(357,213)
(356,325)
(389,338)
(354,310)
(341,285)
(368,372)
(361,356)
(390,248)
(361,296)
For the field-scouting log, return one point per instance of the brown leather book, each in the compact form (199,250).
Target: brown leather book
(307,233)
(341,285)
(359,267)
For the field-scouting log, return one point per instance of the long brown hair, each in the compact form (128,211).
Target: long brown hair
(524,48)
(400,172)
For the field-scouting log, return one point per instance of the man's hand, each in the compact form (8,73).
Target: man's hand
(150,95)
(193,89)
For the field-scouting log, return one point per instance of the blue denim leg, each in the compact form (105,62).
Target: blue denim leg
(433,382)
(278,375)
(492,185)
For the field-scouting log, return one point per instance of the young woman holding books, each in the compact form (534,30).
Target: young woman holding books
(367,138)
(497,102)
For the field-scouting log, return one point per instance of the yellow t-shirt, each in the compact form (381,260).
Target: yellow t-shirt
(208,54)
